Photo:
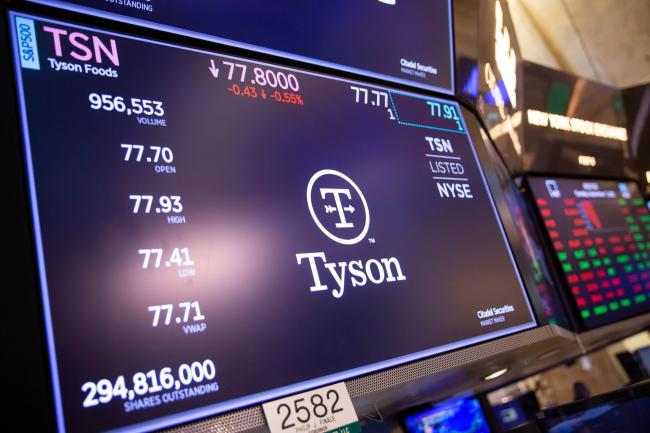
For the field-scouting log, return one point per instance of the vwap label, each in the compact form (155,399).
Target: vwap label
(340,211)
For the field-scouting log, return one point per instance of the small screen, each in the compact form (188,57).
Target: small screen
(628,416)
(213,232)
(462,414)
(600,231)
(510,414)
(403,41)
(643,357)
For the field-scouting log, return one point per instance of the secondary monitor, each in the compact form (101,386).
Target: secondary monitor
(461,414)
(600,234)
(624,410)
(408,42)
(213,232)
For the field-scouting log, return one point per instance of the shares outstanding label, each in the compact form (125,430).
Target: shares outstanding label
(213,232)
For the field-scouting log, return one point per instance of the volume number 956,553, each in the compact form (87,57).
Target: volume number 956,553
(130,106)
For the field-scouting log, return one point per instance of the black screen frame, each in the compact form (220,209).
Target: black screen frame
(492,163)
(32,361)
(27,357)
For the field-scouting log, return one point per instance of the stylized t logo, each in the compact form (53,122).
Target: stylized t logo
(337,192)
(338,229)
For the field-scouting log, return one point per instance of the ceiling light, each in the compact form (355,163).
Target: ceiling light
(496,374)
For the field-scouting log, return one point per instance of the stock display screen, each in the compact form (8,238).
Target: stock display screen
(213,232)
(409,42)
(600,231)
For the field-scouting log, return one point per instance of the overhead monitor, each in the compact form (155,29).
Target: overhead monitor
(572,126)
(405,42)
(600,231)
(213,232)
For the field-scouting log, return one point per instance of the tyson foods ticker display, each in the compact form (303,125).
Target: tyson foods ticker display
(213,232)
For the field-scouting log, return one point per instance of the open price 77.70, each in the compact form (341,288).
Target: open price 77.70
(135,152)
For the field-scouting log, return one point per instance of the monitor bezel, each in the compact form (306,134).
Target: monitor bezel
(31,295)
